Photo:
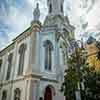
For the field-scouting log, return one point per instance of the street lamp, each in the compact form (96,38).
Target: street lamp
(72,46)
(76,45)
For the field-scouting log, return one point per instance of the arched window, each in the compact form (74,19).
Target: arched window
(0,64)
(62,8)
(48,54)
(9,66)
(22,50)
(17,94)
(4,95)
(50,8)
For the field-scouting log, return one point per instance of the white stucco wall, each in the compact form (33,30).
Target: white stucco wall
(7,85)
(55,89)
(26,58)
(48,77)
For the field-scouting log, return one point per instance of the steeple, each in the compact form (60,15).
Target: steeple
(56,16)
(55,7)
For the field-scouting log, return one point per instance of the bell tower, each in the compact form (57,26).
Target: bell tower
(56,16)
(55,7)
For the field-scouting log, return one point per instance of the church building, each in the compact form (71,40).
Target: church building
(32,66)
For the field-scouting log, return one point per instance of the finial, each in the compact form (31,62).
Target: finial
(36,13)
(37,5)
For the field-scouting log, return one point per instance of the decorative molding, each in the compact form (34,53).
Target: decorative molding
(50,80)
(24,36)
(7,49)
(25,77)
(20,78)
(34,28)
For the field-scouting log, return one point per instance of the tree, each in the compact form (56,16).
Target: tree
(92,85)
(79,72)
(72,74)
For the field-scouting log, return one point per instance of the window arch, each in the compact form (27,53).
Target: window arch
(62,8)
(9,66)
(17,94)
(48,54)
(0,64)
(50,8)
(4,95)
(22,50)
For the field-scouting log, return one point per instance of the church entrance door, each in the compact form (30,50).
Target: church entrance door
(48,93)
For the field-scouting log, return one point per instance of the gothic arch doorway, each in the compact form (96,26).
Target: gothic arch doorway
(48,95)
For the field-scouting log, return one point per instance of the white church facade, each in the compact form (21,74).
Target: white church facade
(32,67)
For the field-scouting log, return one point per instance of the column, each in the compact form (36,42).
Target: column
(33,48)
(33,90)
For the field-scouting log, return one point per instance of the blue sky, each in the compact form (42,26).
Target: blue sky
(16,15)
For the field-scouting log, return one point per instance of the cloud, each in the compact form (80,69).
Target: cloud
(16,15)
(13,21)
(93,17)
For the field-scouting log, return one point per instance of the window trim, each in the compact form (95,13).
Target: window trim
(22,50)
(1,62)
(17,92)
(9,67)
(48,55)
(4,96)
(62,9)
(50,8)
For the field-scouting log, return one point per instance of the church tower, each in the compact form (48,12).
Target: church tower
(55,7)
(56,16)
(55,12)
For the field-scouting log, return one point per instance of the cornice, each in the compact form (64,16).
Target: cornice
(27,77)
(21,34)
(21,78)
(18,39)
(7,49)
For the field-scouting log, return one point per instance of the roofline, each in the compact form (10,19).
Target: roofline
(13,41)
(21,34)
(6,47)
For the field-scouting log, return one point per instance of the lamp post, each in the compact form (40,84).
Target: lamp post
(76,47)
(72,46)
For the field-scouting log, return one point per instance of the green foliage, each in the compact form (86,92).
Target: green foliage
(92,85)
(79,71)
(71,78)
(70,83)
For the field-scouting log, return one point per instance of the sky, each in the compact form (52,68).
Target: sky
(16,16)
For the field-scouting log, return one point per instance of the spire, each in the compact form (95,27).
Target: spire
(36,13)
(55,7)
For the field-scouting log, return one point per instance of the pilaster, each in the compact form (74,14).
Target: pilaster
(35,28)
(33,89)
